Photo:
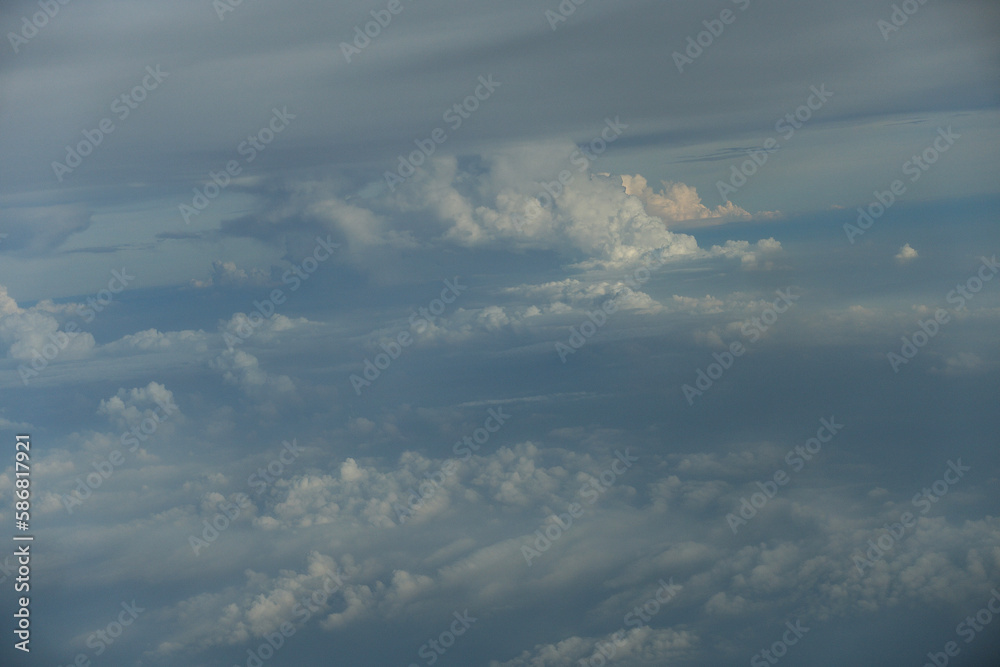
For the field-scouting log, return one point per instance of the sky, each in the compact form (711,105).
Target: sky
(410,332)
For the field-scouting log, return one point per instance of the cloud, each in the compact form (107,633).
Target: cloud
(678,202)
(34,332)
(252,327)
(758,255)
(227,274)
(129,407)
(906,254)
(964,363)
(242,369)
(597,221)
(258,607)
(638,646)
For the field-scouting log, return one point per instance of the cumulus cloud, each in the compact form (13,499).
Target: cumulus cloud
(258,607)
(246,327)
(593,219)
(758,255)
(130,407)
(34,333)
(678,202)
(906,254)
(242,369)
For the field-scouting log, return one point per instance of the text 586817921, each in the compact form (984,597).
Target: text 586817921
(22,517)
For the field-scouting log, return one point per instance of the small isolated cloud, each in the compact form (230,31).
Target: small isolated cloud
(906,254)
(963,363)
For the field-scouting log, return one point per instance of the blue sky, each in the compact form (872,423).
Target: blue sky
(666,330)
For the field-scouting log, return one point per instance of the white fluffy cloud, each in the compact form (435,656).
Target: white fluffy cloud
(593,219)
(906,254)
(33,333)
(129,407)
(678,202)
